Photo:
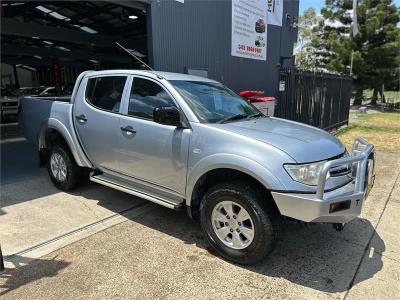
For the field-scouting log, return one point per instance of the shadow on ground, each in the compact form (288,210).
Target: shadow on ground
(314,256)
(25,274)
(19,159)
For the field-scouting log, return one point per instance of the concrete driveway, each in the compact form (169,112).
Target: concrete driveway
(158,253)
(35,217)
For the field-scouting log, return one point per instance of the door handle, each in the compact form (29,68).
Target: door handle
(128,130)
(81,119)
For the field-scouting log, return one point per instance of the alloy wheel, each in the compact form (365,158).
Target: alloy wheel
(232,224)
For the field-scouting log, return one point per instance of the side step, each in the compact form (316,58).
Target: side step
(123,187)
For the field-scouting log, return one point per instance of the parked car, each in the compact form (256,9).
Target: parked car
(186,141)
(8,104)
(260,26)
(49,91)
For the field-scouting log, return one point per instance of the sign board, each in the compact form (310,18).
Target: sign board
(249,29)
(281,86)
(274,12)
(267,107)
(198,72)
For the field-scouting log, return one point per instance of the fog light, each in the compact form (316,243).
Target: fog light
(337,206)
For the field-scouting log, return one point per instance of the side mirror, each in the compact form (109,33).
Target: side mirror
(167,115)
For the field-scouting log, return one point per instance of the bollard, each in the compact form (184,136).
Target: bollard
(1,260)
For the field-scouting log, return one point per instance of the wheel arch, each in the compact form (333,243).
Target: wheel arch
(208,172)
(52,130)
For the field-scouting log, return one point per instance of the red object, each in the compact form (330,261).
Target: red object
(248,94)
(256,96)
(261,99)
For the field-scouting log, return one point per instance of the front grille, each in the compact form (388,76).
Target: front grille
(340,170)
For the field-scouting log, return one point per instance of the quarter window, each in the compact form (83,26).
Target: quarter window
(105,92)
(145,96)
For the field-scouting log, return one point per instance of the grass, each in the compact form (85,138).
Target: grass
(380,129)
(391,96)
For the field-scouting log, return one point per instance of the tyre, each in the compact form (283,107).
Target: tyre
(63,170)
(239,222)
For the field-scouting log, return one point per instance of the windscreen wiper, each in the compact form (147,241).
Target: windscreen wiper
(256,115)
(231,118)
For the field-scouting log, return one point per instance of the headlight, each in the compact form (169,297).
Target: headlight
(307,173)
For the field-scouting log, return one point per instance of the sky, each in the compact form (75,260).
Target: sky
(318,4)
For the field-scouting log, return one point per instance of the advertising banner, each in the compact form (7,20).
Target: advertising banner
(249,29)
(274,12)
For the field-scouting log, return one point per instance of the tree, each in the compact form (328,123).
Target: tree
(304,50)
(375,49)
(380,46)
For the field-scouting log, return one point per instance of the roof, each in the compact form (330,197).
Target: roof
(180,76)
(166,75)
(77,33)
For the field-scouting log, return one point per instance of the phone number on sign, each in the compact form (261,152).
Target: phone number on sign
(249,48)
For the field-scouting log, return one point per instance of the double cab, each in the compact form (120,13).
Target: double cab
(184,141)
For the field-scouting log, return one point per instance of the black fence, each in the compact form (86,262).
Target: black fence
(318,99)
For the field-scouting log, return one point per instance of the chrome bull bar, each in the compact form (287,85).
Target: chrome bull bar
(357,156)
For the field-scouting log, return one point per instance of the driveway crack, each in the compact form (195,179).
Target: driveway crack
(91,210)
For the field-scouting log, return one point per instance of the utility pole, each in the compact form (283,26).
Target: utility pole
(351,62)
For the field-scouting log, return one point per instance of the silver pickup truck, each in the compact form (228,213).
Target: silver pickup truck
(186,141)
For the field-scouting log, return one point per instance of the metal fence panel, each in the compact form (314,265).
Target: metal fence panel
(314,98)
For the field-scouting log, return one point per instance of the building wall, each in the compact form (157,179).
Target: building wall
(25,77)
(197,35)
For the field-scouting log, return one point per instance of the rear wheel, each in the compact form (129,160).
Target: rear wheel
(238,222)
(62,168)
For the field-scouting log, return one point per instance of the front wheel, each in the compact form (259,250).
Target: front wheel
(238,222)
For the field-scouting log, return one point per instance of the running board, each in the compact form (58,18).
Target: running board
(115,184)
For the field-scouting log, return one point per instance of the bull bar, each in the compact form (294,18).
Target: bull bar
(357,156)
(315,207)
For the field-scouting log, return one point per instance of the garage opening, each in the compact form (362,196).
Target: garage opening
(47,44)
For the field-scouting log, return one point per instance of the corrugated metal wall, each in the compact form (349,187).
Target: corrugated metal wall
(196,34)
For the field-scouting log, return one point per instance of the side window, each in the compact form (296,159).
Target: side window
(145,96)
(105,92)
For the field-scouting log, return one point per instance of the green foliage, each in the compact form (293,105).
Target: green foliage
(376,48)
(304,51)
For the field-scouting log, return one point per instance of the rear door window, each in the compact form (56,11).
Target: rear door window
(145,96)
(105,92)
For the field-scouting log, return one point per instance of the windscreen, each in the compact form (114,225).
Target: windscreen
(213,102)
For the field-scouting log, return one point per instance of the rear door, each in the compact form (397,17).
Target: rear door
(152,153)
(96,118)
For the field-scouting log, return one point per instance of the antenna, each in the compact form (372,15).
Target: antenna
(130,53)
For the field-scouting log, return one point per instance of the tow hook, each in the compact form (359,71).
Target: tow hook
(338,226)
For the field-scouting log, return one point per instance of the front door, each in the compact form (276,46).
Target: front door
(153,153)
(96,119)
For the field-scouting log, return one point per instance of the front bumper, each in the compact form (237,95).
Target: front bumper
(317,207)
